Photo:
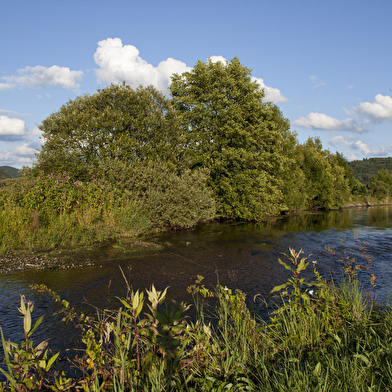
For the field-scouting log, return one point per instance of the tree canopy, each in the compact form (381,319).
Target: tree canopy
(116,123)
(229,130)
(216,130)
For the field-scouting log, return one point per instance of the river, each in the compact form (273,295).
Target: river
(239,255)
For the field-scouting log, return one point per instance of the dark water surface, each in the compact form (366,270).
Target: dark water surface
(240,256)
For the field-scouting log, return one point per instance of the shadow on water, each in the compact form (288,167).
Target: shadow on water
(239,255)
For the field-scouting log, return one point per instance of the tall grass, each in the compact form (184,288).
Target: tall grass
(53,211)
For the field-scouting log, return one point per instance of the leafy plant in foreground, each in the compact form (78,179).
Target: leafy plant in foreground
(29,367)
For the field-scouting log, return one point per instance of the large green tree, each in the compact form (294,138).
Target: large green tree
(327,176)
(230,130)
(116,123)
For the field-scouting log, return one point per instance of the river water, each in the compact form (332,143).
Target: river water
(239,255)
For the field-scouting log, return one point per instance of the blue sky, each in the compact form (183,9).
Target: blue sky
(326,64)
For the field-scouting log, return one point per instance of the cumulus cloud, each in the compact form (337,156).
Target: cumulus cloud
(122,63)
(12,128)
(271,94)
(324,122)
(18,156)
(36,132)
(118,63)
(41,77)
(215,59)
(358,145)
(378,110)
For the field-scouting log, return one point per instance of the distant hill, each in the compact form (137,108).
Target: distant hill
(8,172)
(3,174)
(365,169)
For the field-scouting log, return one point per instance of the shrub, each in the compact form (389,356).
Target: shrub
(170,199)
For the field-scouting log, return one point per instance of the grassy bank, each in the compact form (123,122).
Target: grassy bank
(49,212)
(321,336)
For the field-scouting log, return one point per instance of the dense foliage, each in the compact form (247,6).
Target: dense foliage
(170,198)
(240,139)
(116,123)
(3,174)
(367,168)
(51,211)
(325,181)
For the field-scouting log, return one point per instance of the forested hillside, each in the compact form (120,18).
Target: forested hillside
(3,174)
(367,168)
(8,172)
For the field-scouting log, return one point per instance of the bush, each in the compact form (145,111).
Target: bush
(168,198)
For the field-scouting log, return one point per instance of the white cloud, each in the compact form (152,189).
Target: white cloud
(12,113)
(378,110)
(118,63)
(121,63)
(316,82)
(41,77)
(358,145)
(36,132)
(318,121)
(24,151)
(327,123)
(12,128)
(6,86)
(270,94)
(19,156)
(215,59)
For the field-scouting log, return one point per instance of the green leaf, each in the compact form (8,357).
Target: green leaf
(6,355)
(363,358)
(36,325)
(51,361)
(317,370)
(302,265)
(285,265)
(125,303)
(27,322)
(279,288)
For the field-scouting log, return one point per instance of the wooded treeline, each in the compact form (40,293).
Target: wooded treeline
(367,168)
(213,149)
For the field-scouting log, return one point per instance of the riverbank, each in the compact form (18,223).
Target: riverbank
(81,257)
(121,248)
